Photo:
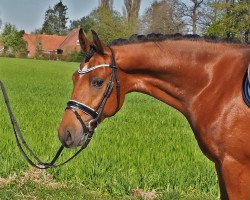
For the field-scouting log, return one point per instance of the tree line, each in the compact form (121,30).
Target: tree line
(228,19)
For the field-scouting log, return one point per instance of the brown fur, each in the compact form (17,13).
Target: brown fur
(201,79)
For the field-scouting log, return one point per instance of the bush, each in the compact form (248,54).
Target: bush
(73,56)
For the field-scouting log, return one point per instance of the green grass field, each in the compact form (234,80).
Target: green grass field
(147,145)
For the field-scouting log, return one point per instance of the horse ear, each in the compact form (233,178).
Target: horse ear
(98,43)
(83,40)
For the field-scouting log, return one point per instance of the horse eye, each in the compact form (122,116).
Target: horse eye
(97,82)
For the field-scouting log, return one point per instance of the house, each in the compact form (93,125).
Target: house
(1,48)
(52,44)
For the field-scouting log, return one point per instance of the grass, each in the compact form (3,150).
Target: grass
(147,145)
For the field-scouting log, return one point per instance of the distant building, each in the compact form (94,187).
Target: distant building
(1,48)
(52,44)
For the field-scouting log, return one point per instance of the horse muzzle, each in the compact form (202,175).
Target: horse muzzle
(73,133)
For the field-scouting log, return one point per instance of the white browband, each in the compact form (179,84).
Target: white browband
(85,70)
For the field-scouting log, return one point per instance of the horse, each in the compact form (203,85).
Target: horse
(201,78)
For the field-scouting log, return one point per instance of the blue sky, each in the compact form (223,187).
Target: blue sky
(29,14)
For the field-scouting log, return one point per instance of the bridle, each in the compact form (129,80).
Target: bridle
(96,114)
(72,105)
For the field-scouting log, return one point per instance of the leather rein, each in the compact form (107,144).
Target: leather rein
(73,105)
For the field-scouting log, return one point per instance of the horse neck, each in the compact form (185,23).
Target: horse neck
(167,70)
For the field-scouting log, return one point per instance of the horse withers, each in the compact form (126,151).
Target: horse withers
(202,79)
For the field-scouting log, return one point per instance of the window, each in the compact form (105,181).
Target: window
(59,51)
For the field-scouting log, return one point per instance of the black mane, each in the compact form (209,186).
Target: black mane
(156,37)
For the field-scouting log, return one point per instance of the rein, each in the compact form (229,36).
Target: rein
(72,105)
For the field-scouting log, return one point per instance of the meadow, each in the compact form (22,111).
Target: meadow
(147,146)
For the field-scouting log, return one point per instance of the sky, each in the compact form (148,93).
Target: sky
(28,15)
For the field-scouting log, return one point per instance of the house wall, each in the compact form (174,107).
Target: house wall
(51,43)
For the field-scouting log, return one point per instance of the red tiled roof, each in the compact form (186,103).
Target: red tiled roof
(72,36)
(49,42)
(53,42)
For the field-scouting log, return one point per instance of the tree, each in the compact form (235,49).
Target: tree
(49,22)
(234,21)
(164,17)
(39,49)
(12,40)
(106,4)
(196,14)
(105,21)
(55,20)
(85,22)
(37,31)
(131,11)
(209,14)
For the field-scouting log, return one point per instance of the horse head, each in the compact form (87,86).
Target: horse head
(96,92)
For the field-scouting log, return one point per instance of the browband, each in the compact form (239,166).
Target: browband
(96,114)
(87,70)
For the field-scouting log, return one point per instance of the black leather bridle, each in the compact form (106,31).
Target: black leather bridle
(73,106)
(96,114)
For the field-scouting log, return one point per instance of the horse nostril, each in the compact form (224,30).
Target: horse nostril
(68,138)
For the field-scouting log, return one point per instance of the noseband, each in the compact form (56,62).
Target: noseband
(96,114)
(73,105)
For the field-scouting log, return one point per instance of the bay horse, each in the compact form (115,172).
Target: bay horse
(202,79)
